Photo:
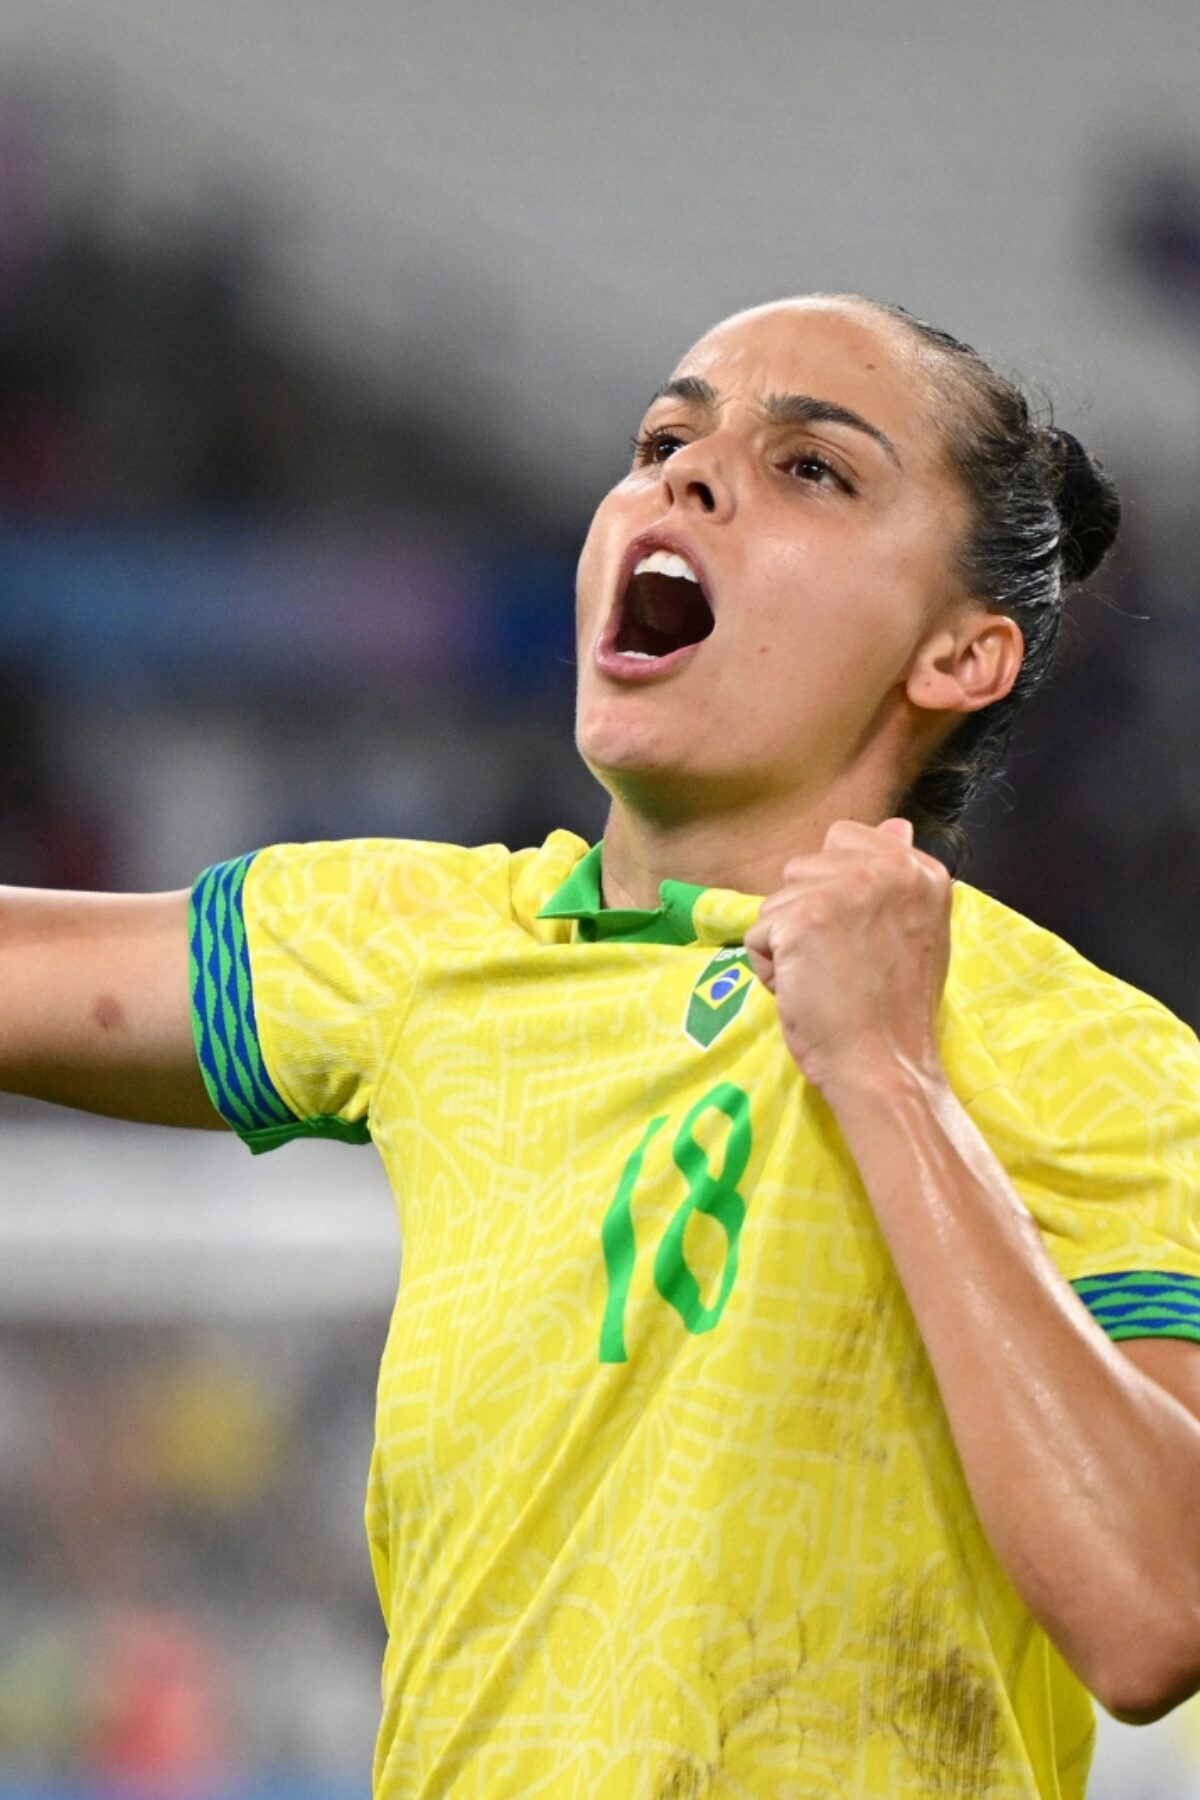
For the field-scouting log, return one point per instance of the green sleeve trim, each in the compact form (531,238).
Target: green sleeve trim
(1141,1303)
(225,1027)
(321,1125)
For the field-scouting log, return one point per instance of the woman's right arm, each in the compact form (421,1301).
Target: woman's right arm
(95,1008)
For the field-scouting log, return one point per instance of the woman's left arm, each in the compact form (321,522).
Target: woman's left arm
(1083,1459)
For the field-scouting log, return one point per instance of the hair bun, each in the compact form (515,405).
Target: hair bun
(1088,506)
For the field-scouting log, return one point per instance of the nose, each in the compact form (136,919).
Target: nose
(697,478)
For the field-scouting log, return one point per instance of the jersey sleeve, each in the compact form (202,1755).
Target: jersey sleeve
(304,960)
(1099,1128)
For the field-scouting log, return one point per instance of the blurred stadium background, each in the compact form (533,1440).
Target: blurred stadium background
(321,330)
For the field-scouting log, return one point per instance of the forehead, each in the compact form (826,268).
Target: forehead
(833,350)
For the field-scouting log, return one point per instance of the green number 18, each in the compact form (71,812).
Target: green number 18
(716,1196)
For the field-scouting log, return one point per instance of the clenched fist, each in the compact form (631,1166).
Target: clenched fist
(855,948)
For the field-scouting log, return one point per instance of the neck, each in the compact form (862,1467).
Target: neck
(745,850)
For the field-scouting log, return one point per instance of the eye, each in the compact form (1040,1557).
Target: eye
(810,466)
(656,446)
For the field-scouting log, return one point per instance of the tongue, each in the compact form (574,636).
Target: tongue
(661,614)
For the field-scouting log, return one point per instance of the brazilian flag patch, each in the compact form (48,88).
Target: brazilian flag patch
(718,997)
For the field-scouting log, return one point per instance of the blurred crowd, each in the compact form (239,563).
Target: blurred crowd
(186,1593)
(238,596)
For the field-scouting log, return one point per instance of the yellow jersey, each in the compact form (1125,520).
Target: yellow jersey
(663,1501)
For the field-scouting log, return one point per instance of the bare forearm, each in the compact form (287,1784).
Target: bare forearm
(94,1004)
(1085,1473)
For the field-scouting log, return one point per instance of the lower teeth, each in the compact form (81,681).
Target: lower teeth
(642,655)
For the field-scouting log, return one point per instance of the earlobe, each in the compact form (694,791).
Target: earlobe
(967,669)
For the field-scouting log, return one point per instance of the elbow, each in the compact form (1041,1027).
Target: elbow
(1145,1706)
(1148,1675)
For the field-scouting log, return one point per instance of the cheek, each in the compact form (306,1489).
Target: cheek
(794,608)
(832,606)
(589,573)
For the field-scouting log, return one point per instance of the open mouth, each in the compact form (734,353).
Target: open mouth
(663,608)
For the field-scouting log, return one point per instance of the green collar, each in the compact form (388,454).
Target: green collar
(580,897)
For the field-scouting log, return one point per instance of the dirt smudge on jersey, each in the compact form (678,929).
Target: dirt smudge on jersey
(686,1779)
(841,1415)
(759,1692)
(934,1700)
(764,1698)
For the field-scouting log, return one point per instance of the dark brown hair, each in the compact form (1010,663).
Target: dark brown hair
(1043,517)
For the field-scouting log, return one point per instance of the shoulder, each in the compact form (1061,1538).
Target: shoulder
(1031,992)
(1088,1091)
(398,879)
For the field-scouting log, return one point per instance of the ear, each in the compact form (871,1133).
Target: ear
(967,665)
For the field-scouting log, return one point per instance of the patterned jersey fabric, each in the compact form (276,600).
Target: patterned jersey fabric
(663,1501)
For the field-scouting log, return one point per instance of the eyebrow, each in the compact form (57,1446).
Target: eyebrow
(782,409)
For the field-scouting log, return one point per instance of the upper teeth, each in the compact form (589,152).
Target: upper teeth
(665,562)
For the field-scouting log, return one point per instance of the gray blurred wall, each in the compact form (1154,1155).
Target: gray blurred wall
(545,201)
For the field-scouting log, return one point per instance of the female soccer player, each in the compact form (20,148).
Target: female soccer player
(794,1386)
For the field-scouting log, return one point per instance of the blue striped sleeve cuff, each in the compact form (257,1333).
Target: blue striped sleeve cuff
(1143,1303)
(225,1027)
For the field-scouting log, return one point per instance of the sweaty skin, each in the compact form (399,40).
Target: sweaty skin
(95,1006)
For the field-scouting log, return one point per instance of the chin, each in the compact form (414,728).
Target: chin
(606,740)
(670,790)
